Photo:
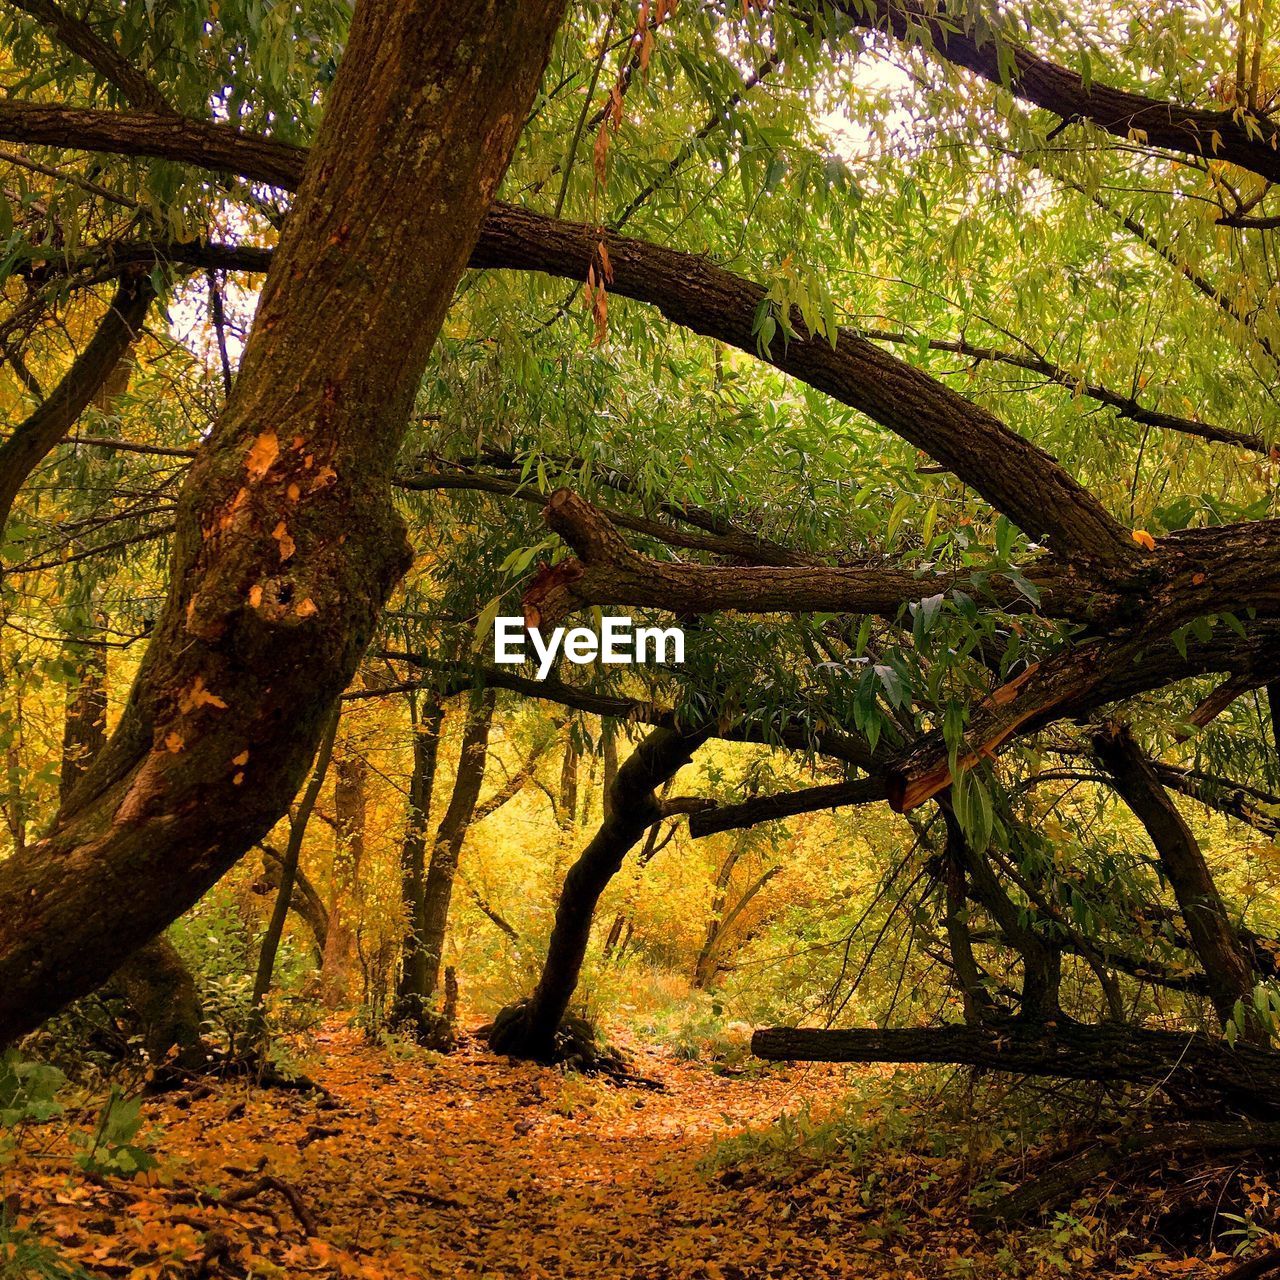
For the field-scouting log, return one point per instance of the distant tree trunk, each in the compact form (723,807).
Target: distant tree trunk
(528,1029)
(450,834)
(711,958)
(289,867)
(609,750)
(411,986)
(569,784)
(614,946)
(305,901)
(1041,959)
(84,731)
(1217,944)
(703,970)
(251,649)
(350,800)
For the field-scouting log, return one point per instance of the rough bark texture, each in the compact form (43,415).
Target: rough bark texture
(1217,944)
(1244,1077)
(162,994)
(155,982)
(286,544)
(528,1028)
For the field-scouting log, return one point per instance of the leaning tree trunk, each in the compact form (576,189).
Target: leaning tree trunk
(289,867)
(528,1029)
(411,985)
(437,890)
(703,967)
(154,981)
(1218,946)
(287,542)
(305,901)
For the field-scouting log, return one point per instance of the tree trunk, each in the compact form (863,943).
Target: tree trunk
(350,803)
(528,1029)
(305,901)
(155,981)
(445,851)
(287,542)
(569,785)
(411,986)
(162,994)
(100,371)
(1189,1065)
(1218,946)
(703,968)
(84,728)
(289,866)
(712,962)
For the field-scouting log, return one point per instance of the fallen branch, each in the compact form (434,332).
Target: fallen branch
(268,1182)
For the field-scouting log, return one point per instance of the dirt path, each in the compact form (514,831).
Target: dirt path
(470,1165)
(474,1166)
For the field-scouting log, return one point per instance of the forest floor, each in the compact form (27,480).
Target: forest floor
(475,1166)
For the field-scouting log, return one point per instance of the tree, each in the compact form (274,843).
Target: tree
(894,432)
(287,545)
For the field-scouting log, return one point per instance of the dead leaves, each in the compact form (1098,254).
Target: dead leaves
(424,1167)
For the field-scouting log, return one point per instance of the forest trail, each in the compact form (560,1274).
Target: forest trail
(467,1165)
(471,1165)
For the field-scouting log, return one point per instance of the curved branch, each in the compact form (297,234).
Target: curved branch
(607,571)
(1248,141)
(76,35)
(1014,475)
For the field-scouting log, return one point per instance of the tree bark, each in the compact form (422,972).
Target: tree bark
(287,543)
(155,981)
(528,1028)
(452,831)
(161,991)
(1200,1067)
(1217,944)
(411,985)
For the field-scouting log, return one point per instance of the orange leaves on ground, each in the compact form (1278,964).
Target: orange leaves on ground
(422,1167)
